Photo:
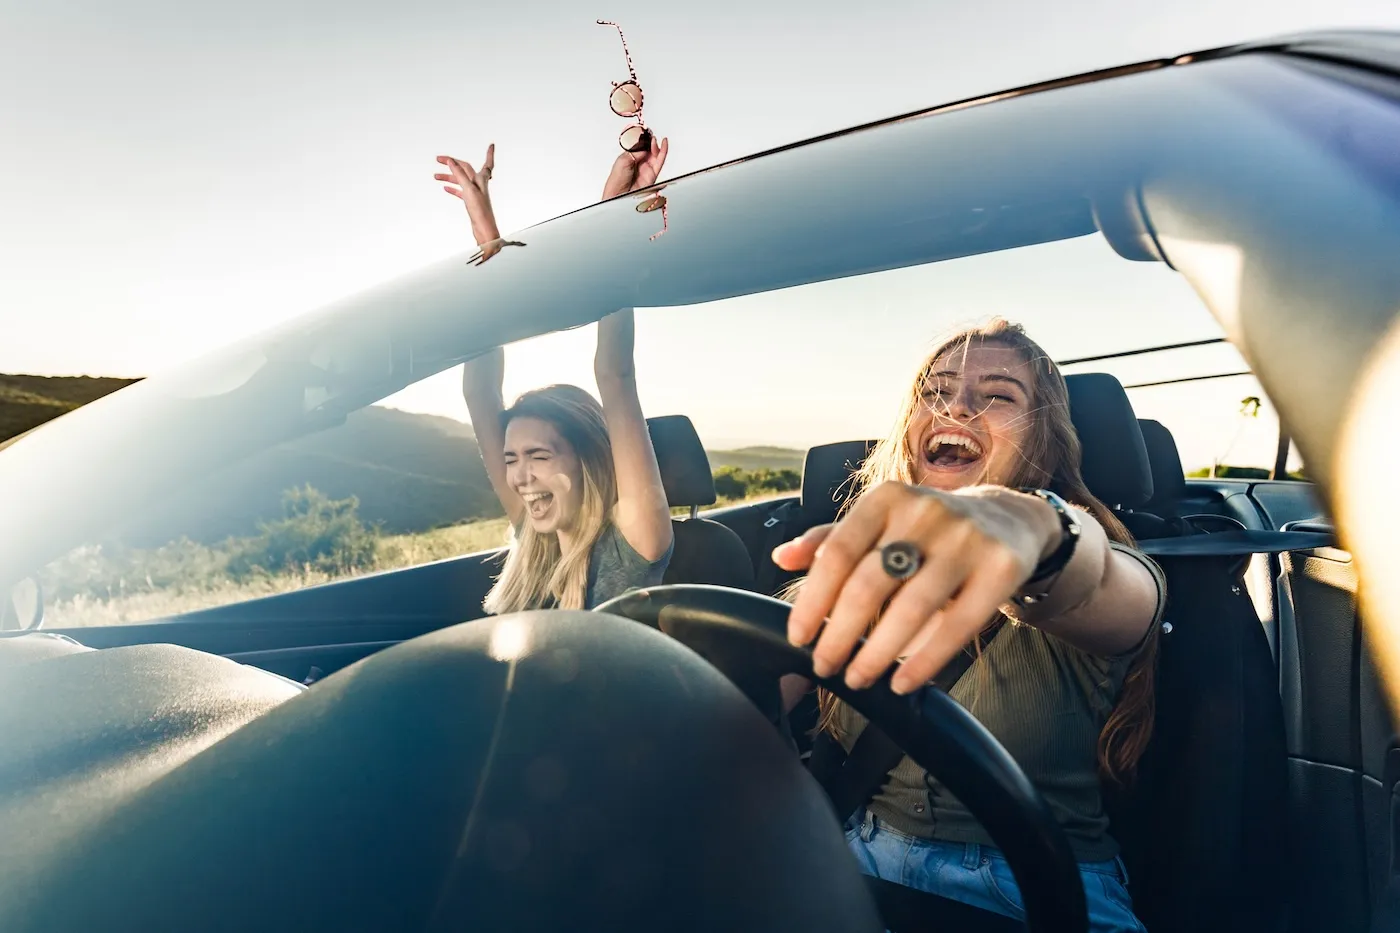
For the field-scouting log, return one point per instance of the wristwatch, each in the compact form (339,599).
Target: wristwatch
(1052,565)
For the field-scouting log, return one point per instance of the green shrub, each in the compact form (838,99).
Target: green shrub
(315,532)
(734,483)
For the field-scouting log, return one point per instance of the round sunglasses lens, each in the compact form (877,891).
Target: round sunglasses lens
(626,100)
(653,203)
(635,139)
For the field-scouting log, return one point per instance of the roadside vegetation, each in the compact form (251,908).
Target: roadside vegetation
(316,540)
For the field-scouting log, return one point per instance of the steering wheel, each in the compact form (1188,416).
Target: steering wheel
(744,636)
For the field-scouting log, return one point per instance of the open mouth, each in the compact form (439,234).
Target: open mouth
(537,503)
(948,450)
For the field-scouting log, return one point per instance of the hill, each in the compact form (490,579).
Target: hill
(758,458)
(410,472)
(28,401)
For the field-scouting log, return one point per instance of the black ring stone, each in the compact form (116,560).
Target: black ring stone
(900,559)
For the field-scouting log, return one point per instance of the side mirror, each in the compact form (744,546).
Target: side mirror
(23,608)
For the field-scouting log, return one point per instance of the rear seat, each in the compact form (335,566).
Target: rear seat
(827,472)
(705,551)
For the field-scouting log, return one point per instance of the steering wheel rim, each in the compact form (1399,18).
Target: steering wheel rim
(744,636)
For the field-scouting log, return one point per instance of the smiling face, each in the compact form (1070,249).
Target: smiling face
(974,420)
(544,470)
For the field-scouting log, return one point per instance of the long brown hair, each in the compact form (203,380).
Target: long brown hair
(1050,459)
(536,570)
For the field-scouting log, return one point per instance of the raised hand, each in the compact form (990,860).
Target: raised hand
(472,186)
(632,171)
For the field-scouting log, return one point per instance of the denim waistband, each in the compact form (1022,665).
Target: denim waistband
(974,853)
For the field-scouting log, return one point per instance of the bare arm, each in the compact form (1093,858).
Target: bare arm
(481,386)
(1103,601)
(643,516)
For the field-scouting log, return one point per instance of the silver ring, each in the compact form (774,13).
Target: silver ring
(901,559)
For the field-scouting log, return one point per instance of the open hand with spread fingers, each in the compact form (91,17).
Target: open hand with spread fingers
(472,186)
(933,566)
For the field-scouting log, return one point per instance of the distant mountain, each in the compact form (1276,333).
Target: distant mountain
(411,472)
(28,401)
(755,458)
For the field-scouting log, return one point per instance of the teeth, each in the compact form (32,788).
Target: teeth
(961,440)
(533,496)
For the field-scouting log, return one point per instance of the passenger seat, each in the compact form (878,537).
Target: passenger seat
(1159,516)
(705,551)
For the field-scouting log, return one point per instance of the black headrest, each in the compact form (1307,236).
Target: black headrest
(826,476)
(1115,458)
(1168,477)
(685,467)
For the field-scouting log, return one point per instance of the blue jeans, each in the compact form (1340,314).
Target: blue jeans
(978,875)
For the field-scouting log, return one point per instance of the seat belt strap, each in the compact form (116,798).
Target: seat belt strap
(853,784)
(1236,543)
(775,532)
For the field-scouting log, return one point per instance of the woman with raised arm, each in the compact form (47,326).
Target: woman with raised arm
(577,479)
(972,529)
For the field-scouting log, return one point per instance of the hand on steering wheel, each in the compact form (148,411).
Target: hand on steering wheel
(744,635)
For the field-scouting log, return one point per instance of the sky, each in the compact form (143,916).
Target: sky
(176,174)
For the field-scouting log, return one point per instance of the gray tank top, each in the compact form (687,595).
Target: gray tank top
(614,567)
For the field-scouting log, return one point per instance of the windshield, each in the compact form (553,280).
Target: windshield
(270,466)
(763,377)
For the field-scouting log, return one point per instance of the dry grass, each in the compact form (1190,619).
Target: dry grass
(394,552)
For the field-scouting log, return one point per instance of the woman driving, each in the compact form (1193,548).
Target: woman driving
(961,534)
(578,479)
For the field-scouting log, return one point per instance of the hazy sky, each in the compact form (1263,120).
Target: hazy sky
(177,174)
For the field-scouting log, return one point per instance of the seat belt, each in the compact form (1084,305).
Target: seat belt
(853,783)
(775,532)
(1236,543)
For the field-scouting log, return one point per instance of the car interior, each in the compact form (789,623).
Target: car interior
(1269,760)
(348,724)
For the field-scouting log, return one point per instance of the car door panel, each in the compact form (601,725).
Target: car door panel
(323,626)
(1342,742)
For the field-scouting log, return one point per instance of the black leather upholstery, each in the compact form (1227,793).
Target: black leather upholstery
(705,551)
(1115,462)
(1157,518)
(1202,827)
(685,467)
(826,478)
(708,552)
(1168,477)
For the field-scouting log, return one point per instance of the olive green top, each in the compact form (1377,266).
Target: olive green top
(1047,702)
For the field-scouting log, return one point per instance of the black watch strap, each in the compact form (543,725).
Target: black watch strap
(1070,530)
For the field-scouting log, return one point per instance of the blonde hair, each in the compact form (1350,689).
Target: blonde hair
(1050,459)
(536,572)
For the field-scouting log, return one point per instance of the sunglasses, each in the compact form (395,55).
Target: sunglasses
(626,101)
(656,202)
